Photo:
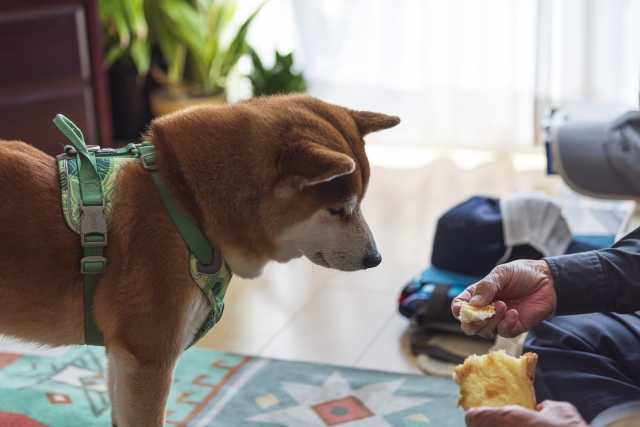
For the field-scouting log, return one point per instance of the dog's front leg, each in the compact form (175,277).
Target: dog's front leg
(141,389)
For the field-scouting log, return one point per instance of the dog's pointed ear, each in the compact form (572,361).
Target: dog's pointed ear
(307,163)
(369,122)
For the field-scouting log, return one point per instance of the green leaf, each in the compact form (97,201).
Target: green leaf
(205,6)
(211,50)
(237,46)
(279,79)
(286,60)
(212,14)
(134,10)
(114,53)
(126,32)
(257,63)
(296,84)
(227,10)
(173,50)
(185,23)
(105,11)
(141,55)
(122,26)
(176,67)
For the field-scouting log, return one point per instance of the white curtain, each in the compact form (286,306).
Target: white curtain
(588,56)
(458,72)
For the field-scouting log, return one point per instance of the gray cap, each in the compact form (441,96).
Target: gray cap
(601,160)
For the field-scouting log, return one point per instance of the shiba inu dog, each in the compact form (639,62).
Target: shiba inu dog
(271,179)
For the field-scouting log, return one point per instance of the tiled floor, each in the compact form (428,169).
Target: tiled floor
(304,312)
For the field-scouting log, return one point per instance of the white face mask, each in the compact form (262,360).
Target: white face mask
(533,218)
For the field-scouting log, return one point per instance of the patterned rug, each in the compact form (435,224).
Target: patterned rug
(212,388)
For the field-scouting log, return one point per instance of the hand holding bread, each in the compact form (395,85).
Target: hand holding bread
(523,295)
(497,390)
(548,414)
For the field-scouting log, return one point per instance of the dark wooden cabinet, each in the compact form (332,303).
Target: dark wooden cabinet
(50,63)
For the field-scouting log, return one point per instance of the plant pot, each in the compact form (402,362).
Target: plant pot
(129,101)
(162,103)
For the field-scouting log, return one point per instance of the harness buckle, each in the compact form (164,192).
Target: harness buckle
(146,165)
(90,148)
(93,223)
(106,151)
(87,259)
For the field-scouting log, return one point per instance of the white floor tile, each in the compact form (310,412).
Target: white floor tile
(390,351)
(334,328)
(256,310)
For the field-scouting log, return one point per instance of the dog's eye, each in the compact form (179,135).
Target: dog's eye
(337,211)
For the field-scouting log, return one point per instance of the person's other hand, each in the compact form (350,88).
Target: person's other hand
(549,414)
(525,296)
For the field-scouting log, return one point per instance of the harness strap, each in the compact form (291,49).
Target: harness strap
(93,228)
(89,181)
(194,238)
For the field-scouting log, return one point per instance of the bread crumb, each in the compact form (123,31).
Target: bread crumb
(469,313)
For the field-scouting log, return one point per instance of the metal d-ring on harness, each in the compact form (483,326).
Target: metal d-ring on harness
(93,226)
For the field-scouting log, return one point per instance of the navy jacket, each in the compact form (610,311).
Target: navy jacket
(606,280)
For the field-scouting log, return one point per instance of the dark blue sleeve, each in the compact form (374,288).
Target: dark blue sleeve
(599,281)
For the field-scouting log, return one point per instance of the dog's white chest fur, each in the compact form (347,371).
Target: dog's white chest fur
(196,317)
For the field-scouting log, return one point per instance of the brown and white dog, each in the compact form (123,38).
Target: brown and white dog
(270,179)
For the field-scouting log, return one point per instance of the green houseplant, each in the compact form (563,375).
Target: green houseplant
(126,33)
(278,79)
(192,40)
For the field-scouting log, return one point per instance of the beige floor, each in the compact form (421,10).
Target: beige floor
(299,311)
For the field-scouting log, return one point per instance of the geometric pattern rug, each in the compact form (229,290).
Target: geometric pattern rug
(213,388)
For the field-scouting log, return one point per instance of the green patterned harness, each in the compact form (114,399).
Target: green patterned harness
(206,266)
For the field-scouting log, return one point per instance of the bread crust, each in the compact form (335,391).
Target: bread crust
(531,360)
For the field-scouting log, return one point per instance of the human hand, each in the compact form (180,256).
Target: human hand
(549,414)
(525,296)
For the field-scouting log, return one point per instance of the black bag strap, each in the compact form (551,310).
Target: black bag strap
(419,345)
(432,308)
(430,312)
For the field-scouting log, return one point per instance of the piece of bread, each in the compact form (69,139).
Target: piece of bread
(496,379)
(469,313)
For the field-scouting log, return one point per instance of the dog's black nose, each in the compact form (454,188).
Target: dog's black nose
(372,260)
